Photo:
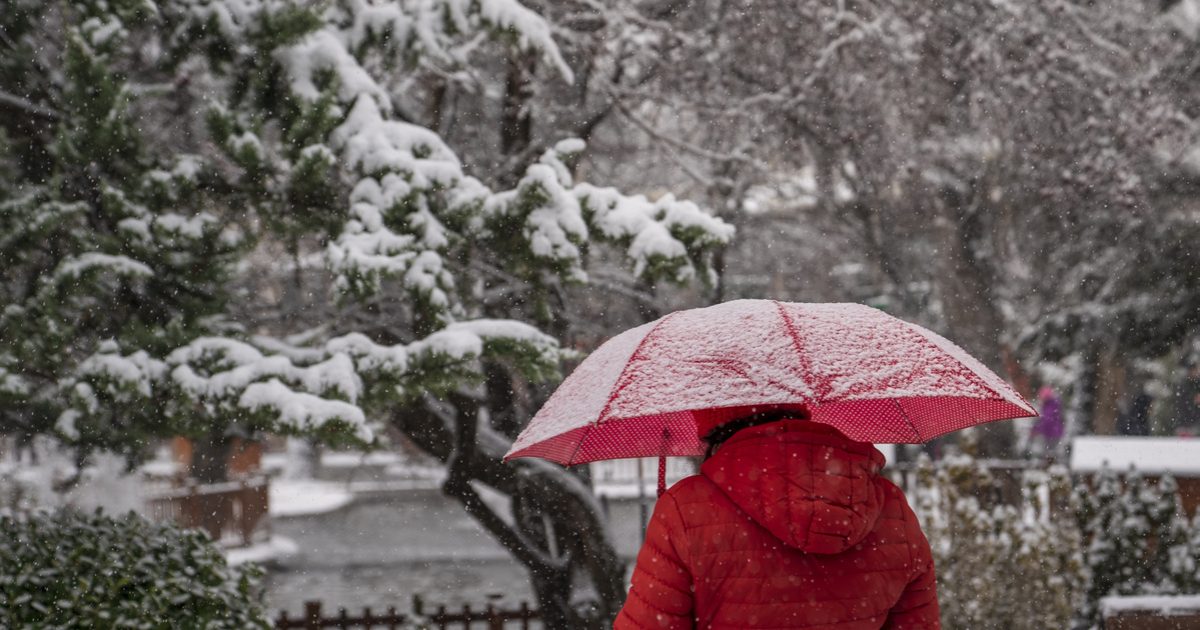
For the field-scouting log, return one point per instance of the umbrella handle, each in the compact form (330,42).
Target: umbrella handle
(662,474)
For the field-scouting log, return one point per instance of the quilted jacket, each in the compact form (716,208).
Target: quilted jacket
(788,525)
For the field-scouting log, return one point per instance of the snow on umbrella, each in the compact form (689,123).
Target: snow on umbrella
(872,376)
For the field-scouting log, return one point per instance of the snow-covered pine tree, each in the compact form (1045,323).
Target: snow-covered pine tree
(1098,510)
(1172,570)
(111,256)
(1176,568)
(151,147)
(950,513)
(1050,548)
(1133,526)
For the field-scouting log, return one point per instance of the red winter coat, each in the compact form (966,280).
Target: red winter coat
(788,525)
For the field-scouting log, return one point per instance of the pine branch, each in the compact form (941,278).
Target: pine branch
(19,105)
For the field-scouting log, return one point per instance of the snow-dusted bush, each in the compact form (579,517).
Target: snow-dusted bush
(74,570)
(1138,540)
(1047,561)
(999,566)
(163,154)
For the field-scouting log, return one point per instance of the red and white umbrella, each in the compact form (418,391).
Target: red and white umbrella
(872,376)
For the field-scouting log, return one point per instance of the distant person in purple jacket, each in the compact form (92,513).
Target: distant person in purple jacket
(1048,428)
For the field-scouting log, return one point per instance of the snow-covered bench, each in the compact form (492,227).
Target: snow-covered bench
(1151,612)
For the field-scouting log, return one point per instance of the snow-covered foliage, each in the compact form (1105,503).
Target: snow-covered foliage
(159,160)
(43,475)
(1138,539)
(1000,565)
(120,253)
(1047,557)
(72,570)
(411,207)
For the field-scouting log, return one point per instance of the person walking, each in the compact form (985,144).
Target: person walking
(1047,429)
(788,525)
(1136,419)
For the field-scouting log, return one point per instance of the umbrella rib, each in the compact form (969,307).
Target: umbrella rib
(975,376)
(904,414)
(617,387)
(805,366)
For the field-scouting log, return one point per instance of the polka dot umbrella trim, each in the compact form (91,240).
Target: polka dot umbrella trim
(651,390)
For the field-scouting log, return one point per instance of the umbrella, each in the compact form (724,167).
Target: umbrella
(872,376)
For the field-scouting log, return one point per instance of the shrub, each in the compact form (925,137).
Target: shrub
(1137,540)
(1000,566)
(73,570)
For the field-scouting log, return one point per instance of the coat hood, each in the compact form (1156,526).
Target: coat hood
(812,487)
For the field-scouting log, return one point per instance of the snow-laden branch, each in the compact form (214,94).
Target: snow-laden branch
(413,187)
(412,203)
(28,107)
(299,389)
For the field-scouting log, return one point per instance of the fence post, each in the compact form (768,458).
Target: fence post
(191,509)
(243,513)
(312,615)
(496,617)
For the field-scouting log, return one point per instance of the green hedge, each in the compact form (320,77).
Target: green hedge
(72,570)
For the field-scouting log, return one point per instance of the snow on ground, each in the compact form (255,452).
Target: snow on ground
(298,497)
(416,471)
(352,465)
(1151,455)
(352,459)
(103,484)
(1162,604)
(273,549)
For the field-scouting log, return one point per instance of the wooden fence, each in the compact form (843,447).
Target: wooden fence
(494,618)
(230,512)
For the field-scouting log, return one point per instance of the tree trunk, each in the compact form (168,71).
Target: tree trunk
(1083,396)
(559,529)
(516,118)
(1110,389)
(210,458)
(970,306)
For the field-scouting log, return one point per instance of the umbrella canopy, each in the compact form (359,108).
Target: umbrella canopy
(873,377)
